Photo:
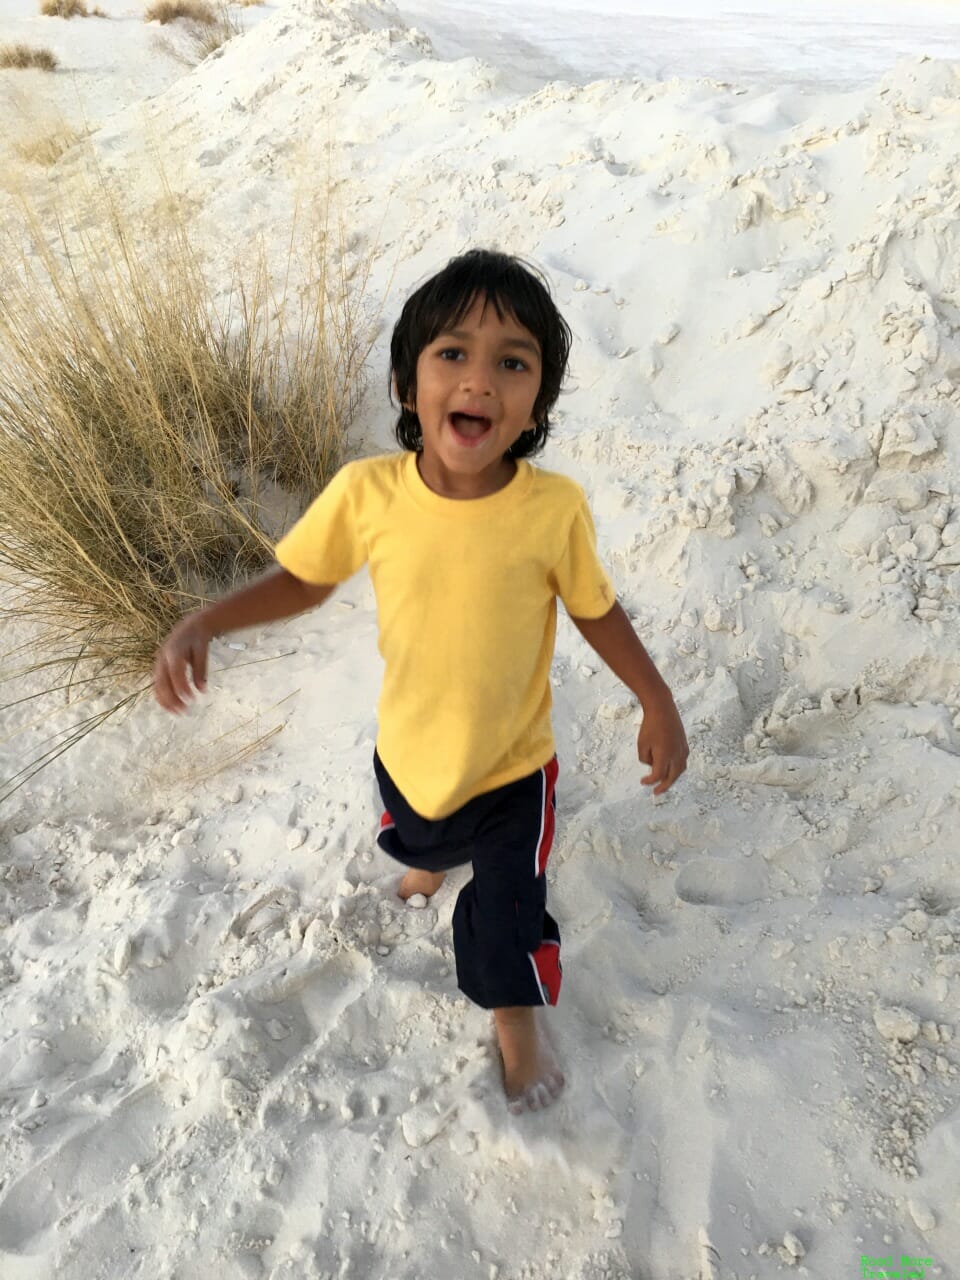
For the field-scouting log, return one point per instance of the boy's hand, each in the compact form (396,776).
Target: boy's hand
(662,744)
(183,651)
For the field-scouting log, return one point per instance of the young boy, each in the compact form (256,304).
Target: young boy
(469,547)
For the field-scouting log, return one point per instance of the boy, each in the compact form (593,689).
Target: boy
(468,546)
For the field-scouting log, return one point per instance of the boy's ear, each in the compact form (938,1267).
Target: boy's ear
(396,395)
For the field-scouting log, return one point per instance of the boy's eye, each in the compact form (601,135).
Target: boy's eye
(458,351)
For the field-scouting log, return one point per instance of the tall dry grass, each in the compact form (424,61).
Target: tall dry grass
(69,9)
(205,28)
(64,9)
(164,11)
(47,146)
(153,444)
(24,57)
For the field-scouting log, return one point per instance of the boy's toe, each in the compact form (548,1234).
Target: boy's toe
(538,1097)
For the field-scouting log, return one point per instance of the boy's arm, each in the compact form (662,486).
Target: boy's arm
(661,742)
(277,594)
(615,640)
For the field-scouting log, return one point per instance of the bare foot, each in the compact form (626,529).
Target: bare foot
(425,882)
(532,1078)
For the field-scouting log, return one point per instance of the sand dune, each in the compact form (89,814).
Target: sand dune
(227,1047)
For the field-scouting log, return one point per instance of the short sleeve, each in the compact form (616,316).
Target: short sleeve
(578,577)
(325,545)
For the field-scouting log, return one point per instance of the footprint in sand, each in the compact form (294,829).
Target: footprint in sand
(332,988)
(718,882)
(86,1166)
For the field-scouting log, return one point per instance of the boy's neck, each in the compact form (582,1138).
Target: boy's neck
(449,484)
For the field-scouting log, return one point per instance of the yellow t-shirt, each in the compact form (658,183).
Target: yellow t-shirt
(466,606)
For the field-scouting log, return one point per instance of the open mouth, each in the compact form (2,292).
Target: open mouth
(468,429)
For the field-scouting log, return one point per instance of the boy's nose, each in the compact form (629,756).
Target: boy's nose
(478,381)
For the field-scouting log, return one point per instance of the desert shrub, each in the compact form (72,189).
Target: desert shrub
(64,9)
(153,445)
(164,11)
(23,57)
(199,38)
(204,39)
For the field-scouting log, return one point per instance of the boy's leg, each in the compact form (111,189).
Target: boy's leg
(414,841)
(532,1077)
(507,944)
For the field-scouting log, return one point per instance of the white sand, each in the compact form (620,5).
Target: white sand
(817,43)
(226,1047)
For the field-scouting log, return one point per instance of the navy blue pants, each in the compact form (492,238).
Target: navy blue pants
(506,943)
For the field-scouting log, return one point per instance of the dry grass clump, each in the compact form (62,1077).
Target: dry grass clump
(202,40)
(47,148)
(69,9)
(152,448)
(64,9)
(164,11)
(22,57)
(202,36)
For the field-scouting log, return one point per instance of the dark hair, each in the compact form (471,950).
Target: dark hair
(512,286)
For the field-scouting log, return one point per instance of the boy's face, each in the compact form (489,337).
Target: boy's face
(476,388)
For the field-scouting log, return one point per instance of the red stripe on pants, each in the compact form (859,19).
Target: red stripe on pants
(546,960)
(551,769)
